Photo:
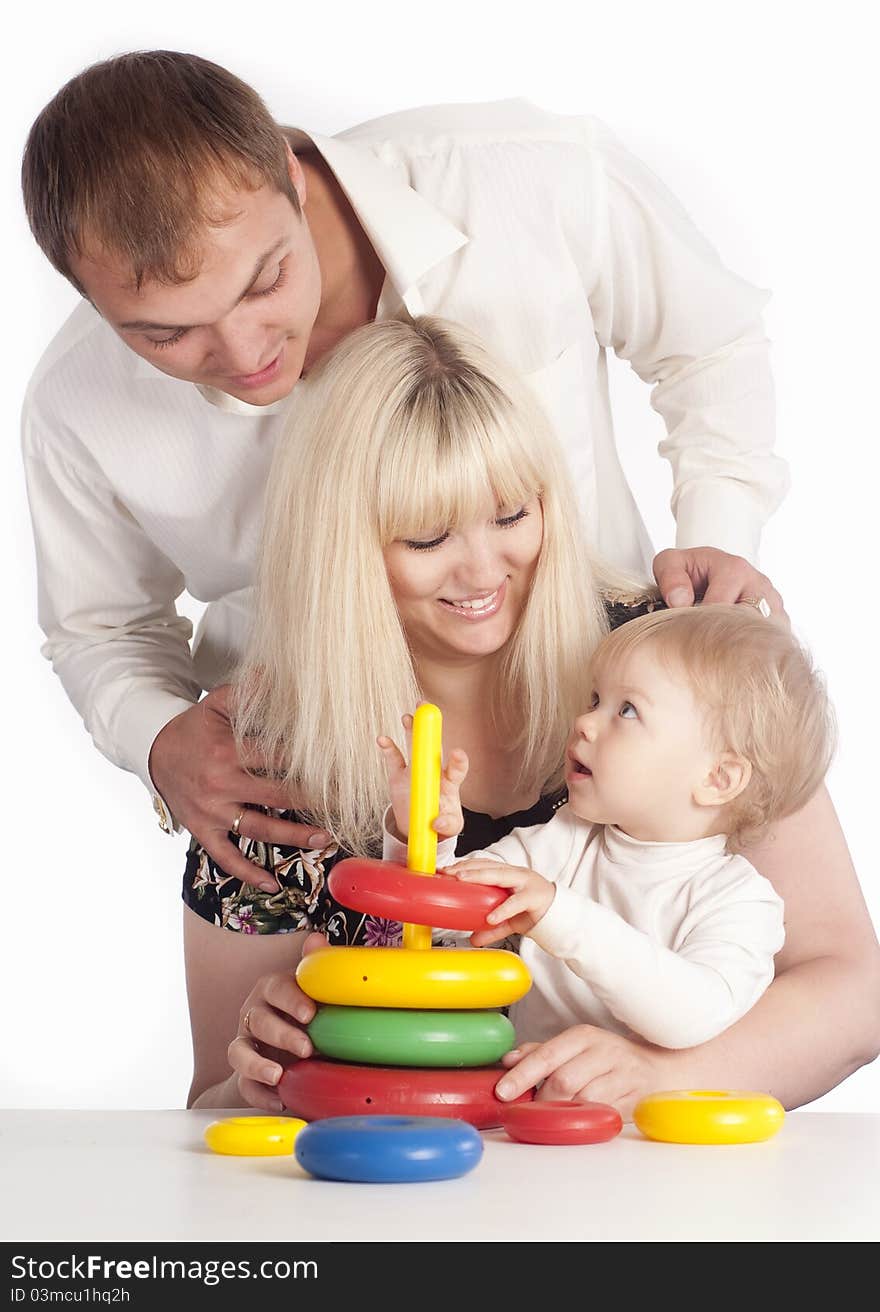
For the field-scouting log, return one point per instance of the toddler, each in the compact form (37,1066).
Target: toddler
(638,911)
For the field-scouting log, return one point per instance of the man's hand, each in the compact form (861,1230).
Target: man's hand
(195,767)
(450,820)
(532,895)
(707,574)
(588,1064)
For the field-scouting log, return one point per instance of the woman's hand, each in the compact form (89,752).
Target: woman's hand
(271,1030)
(587,1064)
(450,820)
(707,574)
(531,896)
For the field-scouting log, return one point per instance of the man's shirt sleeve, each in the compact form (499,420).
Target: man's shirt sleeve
(106,602)
(662,299)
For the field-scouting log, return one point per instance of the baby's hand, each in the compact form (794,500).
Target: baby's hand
(532,895)
(450,820)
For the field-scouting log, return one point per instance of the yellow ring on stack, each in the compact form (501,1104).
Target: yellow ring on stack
(709,1116)
(443,979)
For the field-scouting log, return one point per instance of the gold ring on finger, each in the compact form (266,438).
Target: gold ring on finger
(237,823)
(761,605)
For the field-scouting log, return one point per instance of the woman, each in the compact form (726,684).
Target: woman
(438,555)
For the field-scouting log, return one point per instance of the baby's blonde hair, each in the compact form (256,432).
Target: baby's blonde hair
(764,700)
(407,427)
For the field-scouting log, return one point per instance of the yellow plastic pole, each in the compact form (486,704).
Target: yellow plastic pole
(424,806)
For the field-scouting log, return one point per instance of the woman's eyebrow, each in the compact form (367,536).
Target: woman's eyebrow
(140,325)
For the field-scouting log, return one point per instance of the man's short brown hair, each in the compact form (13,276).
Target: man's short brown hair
(134,156)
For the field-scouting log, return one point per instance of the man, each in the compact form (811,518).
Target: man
(221,260)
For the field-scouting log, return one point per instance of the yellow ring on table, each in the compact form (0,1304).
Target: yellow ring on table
(253,1136)
(441,978)
(709,1116)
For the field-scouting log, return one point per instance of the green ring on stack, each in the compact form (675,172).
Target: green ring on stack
(382,1036)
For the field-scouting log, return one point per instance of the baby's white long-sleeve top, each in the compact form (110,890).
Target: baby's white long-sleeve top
(672,942)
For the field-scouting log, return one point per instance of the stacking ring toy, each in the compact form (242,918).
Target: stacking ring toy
(315,1089)
(253,1136)
(441,978)
(709,1116)
(381,888)
(424,802)
(388,1149)
(388,1037)
(561,1122)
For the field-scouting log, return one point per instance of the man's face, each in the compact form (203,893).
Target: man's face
(243,324)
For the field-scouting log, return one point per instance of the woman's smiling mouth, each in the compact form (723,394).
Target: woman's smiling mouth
(477,608)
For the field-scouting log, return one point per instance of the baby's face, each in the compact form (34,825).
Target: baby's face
(637,755)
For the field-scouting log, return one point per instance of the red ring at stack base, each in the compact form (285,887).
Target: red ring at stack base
(314,1089)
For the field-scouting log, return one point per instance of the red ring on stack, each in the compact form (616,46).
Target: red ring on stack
(315,1089)
(390,891)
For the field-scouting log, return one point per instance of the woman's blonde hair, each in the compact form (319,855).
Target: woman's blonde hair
(408,426)
(763,698)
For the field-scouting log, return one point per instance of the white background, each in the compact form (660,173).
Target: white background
(760,117)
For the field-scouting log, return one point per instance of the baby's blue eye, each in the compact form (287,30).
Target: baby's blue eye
(628,711)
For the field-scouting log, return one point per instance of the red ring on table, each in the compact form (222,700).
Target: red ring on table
(561,1122)
(390,891)
(316,1089)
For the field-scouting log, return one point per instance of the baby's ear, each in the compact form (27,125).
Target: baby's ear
(729,776)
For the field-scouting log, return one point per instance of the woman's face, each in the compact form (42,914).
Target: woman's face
(460,593)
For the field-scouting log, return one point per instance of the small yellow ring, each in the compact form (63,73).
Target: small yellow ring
(253,1136)
(709,1116)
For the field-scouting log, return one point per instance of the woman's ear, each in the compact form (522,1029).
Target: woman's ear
(729,776)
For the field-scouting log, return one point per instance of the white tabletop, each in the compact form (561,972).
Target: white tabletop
(147,1176)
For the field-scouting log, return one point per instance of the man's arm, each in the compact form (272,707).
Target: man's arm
(662,299)
(106,604)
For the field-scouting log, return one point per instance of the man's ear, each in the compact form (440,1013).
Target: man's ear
(729,776)
(297,177)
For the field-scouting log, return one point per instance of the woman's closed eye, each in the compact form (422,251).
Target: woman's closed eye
(507,521)
(415,545)
(430,544)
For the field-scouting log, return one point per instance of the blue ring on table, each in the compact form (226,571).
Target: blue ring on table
(388,1149)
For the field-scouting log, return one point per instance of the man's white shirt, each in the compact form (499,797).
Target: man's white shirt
(539,232)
